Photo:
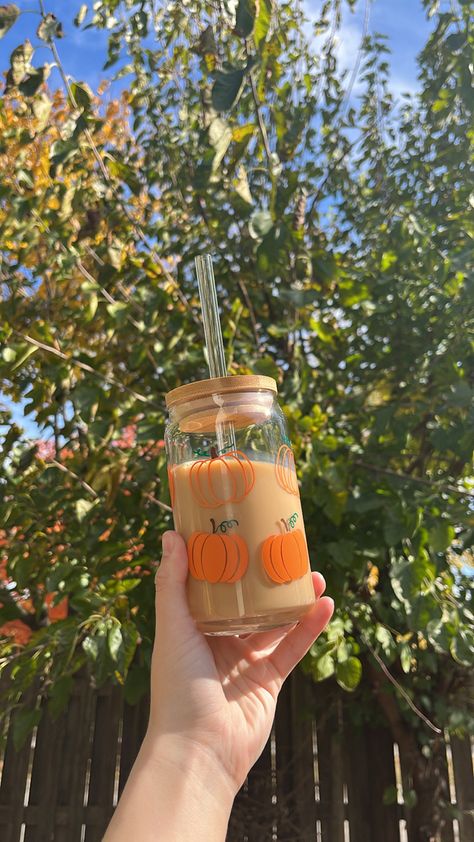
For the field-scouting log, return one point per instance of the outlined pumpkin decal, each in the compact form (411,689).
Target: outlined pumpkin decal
(285,557)
(285,470)
(222,479)
(171,485)
(217,556)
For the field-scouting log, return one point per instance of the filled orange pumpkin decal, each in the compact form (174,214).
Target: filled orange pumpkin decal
(222,479)
(285,470)
(216,556)
(171,485)
(285,557)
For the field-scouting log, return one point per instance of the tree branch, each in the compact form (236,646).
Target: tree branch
(68,471)
(409,478)
(84,366)
(157,502)
(400,689)
(261,124)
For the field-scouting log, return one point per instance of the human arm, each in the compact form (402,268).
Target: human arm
(212,706)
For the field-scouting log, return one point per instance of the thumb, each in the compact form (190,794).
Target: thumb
(170,581)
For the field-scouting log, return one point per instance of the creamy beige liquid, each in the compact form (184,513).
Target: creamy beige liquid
(259,496)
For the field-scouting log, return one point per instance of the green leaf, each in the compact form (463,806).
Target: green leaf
(8,16)
(90,646)
(92,305)
(390,795)
(59,695)
(114,641)
(323,667)
(455,41)
(82,95)
(115,252)
(136,684)
(117,310)
(83,508)
(34,80)
(262,22)
(242,188)
(226,88)
(410,799)
(462,647)
(206,44)
(441,536)
(125,173)
(220,137)
(28,351)
(405,657)
(19,64)
(260,223)
(41,107)
(349,673)
(50,28)
(80,15)
(9,354)
(24,721)
(383,636)
(244,18)
(440,634)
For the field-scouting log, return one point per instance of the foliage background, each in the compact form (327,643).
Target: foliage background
(342,232)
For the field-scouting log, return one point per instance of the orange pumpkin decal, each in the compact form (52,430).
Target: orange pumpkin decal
(222,479)
(285,470)
(216,556)
(285,557)
(171,485)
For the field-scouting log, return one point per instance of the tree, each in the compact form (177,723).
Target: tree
(341,228)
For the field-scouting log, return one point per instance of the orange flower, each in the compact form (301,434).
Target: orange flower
(18,630)
(56,612)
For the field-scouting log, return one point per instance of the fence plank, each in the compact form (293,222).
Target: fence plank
(13,785)
(302,709)
(447,832)
(464,783)
(381,769)
(74,761)
(44,777)
(135,721)
(103,761)
(261,810)
(285,782)
(330,765)
(358,784)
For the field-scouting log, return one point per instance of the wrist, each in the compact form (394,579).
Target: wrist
(195,766)
(176,791)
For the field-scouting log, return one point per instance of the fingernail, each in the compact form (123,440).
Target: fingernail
(167,542)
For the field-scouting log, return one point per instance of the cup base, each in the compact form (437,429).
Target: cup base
(259,623)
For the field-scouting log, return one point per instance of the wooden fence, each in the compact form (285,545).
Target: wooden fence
(316,781)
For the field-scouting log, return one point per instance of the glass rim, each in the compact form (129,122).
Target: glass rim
(220,386)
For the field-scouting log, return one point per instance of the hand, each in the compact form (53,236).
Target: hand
(218,694)
(212,707)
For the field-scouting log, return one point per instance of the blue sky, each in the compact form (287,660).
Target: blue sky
(83,54)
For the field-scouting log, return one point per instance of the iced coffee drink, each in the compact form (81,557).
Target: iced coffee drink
(236,502)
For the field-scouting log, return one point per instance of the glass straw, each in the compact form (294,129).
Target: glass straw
(214,343)
(225,431)
(210,316)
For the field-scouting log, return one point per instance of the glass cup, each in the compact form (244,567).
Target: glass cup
(236,502)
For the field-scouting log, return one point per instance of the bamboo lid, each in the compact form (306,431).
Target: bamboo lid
(220,386)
